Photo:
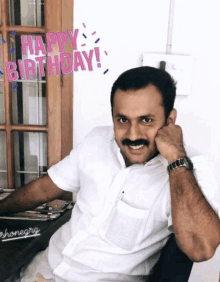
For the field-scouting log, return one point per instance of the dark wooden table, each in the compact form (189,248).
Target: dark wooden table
(17,253)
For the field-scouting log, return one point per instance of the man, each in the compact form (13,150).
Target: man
(136,185)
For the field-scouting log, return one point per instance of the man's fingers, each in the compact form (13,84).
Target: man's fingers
(40,278)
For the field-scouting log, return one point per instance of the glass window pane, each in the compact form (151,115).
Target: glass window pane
(28,95)
(29,103)
(30,156)
(3,163)
(2,99)
(26,12)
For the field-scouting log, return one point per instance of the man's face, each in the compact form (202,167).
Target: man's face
(137,117)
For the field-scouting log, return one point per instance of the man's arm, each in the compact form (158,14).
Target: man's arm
(32,195)
(195,224)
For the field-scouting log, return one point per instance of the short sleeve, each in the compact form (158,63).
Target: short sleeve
(207,183)
(65,174)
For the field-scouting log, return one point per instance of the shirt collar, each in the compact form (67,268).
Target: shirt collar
(111,136)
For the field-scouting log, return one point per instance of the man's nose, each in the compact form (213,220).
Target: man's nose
(134,132)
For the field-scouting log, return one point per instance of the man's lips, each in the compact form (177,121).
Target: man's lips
(136,147)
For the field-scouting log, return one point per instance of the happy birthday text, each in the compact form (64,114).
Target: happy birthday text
(63,63)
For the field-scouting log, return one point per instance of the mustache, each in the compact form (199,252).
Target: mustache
(138,142)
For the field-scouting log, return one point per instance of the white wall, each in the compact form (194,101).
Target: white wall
(196,29)
(127,29)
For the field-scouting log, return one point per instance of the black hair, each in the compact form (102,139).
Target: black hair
(141,77)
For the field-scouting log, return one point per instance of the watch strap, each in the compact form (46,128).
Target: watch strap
(182,162)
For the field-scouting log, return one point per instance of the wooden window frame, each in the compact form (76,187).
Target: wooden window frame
(59,89)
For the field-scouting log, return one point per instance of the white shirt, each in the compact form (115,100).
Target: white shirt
(122,216)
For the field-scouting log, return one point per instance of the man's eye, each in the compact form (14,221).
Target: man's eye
(122,120)
(146,120)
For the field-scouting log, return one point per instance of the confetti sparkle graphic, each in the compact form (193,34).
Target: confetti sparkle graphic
(12,50)
(105,71)
(84,35)
(106,53)
(2,83)
(84,25)
(97,40)
(94,33)
(12,40)
(1,49)
(83,45)
(3,40)
(1,73)
(15,86)
(13,32)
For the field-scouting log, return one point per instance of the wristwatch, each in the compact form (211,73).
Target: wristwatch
(185,161)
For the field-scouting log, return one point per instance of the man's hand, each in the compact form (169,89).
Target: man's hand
(169,142)
(37,192)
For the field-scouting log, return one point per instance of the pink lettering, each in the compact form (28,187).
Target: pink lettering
(52,65)
(21,69)
(88,58)
(41,66)
(39,45)
(73,38)
(12,74)
(62,40)
(69,69)
(51,40)
(26,44)
(78,62)
(30,66)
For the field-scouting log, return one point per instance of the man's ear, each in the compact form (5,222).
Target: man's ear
(172,117)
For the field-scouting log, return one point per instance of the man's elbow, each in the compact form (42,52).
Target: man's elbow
(201,256)
(66,196)
(201,253)
(198,252)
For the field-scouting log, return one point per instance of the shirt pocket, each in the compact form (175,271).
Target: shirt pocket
(124,226)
